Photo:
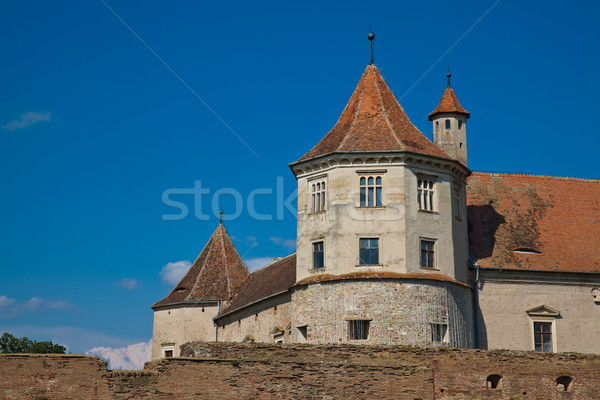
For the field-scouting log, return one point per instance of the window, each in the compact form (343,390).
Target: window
(447,124)
(358,329)
(318,196)
(460,124)
(369,252)
(437,126)
(457,200)
(425,190)
(563,383)
(303,334)
(542,336)
(318,255)
(168,353)
(370,191)
(439,333)
(494,381)
(427,253)
(168,350)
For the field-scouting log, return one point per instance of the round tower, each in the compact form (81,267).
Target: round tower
(450,125)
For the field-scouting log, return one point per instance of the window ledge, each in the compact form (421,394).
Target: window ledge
(317,213)
(371,208)
(369,265)
(429,269)
(317,270)
(428,211)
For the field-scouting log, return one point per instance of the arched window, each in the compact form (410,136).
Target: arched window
(459,124)
(447,124)
(318,196)
(437,126)
(425,190)
(370,191)
(494,382)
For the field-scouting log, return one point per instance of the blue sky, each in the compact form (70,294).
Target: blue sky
(95,128)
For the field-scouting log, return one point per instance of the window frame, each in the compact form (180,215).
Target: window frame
(457,197)
(314,243)
(426,193)
(440,330)
(541,320)
(168,348)
(317,194)
(370,249)
(433,251)
(355,331)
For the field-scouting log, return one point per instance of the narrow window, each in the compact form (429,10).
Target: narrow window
(303,331)
(542,336)
(437,126)
(447,124)
(439,333)
(370,191)
(369,252)
(425,191)
(460,124)
(318,197)
(358,329)
(318,255)
(493,382)
(427,254)
(457,200)
(168,353)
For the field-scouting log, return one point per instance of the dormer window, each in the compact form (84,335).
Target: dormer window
(447,124)
(370,191)
(317,189)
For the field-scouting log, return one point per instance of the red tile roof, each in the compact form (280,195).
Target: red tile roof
(273,279)
(448,104)
(217,274)
(534,222)
(374,120)
(380,275)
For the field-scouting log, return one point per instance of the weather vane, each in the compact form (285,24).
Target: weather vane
(448,75)
(371,37)
(221,217)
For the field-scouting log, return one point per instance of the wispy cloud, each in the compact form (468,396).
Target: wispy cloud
(256,263)
(10,307)
(288,244)
(174,271)
(130,357)
(27,119)
(128,283)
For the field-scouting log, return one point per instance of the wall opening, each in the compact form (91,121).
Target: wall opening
(563,383)
(494,381)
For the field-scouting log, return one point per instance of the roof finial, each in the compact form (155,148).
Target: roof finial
(221,217)
(371,37)
(448,75)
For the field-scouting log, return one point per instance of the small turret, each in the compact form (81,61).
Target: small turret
(450,125)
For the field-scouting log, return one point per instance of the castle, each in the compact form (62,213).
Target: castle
(399,242)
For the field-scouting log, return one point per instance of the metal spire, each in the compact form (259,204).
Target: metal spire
(221,217)
(448,75)
(371,37)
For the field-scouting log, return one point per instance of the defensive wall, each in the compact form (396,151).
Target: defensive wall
(253,371)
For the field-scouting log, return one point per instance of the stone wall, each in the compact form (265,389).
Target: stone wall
(398,311)
(303,371)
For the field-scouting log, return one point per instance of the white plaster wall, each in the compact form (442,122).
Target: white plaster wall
(450,140)
(180,325)
(506,325)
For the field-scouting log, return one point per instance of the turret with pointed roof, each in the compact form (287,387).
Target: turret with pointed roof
(216,275)
(450,125)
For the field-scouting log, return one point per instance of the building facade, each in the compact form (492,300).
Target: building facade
(399,242)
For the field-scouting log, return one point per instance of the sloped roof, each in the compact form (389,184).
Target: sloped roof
(449,104)
(374,120)
(432,276)
(532,222)
(272,279)
(217,274)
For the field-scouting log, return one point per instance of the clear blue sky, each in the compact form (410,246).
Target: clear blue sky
(95,128)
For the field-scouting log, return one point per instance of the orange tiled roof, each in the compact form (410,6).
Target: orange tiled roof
(374,120)
(217,274)
(532,222)
(272,279)
(448,104)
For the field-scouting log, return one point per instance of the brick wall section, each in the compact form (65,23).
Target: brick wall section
(301,372)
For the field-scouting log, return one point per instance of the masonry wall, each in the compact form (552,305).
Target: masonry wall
(398,311)
(258,320)
(301,372)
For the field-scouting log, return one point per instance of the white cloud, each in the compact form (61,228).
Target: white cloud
(174,271)
(288,244)
(131,357)
(27,119)
(256,263)
(9,307)
(128,283)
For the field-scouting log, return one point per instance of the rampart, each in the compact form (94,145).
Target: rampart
(238,371)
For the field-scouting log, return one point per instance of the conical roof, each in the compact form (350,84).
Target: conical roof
(449,104)
(374,120)
(217,274)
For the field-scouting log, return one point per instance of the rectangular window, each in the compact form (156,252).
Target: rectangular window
(358,329)
(542,336)
(457,200)
(317,190)
(439,333)
(369,252)
(168,353)
(427,253)
(370,191)
(318,261)
(425,191)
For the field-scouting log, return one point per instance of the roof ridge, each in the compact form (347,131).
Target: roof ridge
(211,243)
(356,113)
(591,180)
(385,111)
(226,261)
